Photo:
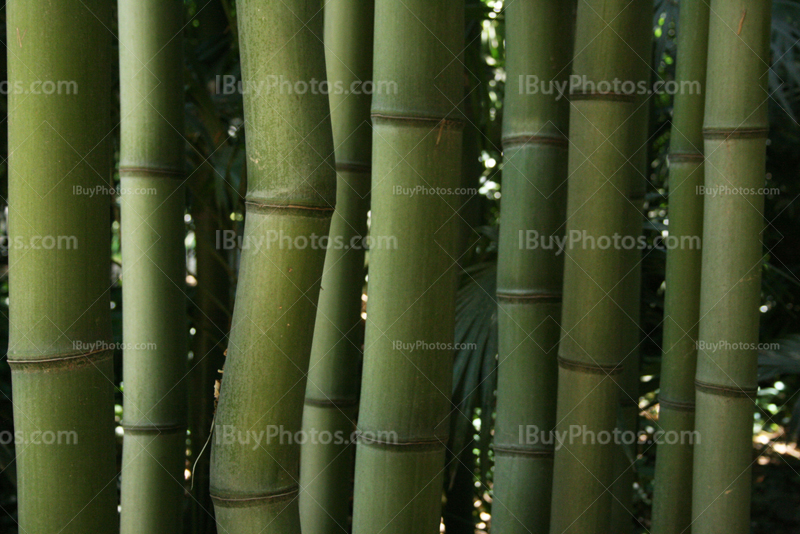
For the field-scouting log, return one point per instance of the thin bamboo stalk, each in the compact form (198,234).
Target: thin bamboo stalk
(60,332)
(290,198)
(405,400)
(604,195)
(672,501)
(622,513)
(735,131)
(530,272)
(333,379)
(153,265)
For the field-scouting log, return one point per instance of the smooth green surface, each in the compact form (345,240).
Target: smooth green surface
(529,279)
(672,509)
(600,307)
(59,301)
(735,132)
(407,376)
(641,42)
(153,265)
(333,378)
(290,199)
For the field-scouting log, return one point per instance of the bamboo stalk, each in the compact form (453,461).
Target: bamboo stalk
(606,134)
(735,131)
(153,265)
(405,399)
(640,42)
(60,333)
(290,198)
(333,379)
(530,274)
(672,500)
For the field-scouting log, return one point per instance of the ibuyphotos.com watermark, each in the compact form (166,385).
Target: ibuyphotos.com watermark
(98,346)
(279,84)
(37,242)
(230,240)
(724,190)
(104,190)
(421,190)
(581,240)
(576,84)
(714,346)
(582,435)
(419,344)
(39,437)
(278,435)
(39,87)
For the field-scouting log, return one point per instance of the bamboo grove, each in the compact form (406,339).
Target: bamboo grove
(387,267)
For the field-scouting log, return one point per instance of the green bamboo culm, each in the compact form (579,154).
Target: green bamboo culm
(405,397)
(735,130)
(290,200)
(530,272)
(641,42)
(60,348)
(672,501)
(333,378)
(153,265)
(596,323)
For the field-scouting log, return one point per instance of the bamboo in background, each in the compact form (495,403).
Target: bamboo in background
(530,275)
(672,500)
(333,378)
(59,205)
(153,265)
(290,198)
(640,41)
(405,401)
(735,129)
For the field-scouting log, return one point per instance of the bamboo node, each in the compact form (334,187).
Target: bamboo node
(593,368)
(681,406)
(726,391)
(151,172)
(735,133)
(441,122)
(278,496)
(61,360)
(514,140)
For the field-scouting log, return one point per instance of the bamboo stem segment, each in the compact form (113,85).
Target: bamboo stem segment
(530,275)
(735,131)
(333,380)
(405,401)
(60,332)
(153,265)
(290,198)
(601,205)
(672,501)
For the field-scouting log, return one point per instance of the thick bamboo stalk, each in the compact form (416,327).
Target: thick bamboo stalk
(672,502)
(530,273)
(290,199)
(640,41)
(605,137)
(333,380)
(735,131)
(153,265)
(405,400)
(59,206)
